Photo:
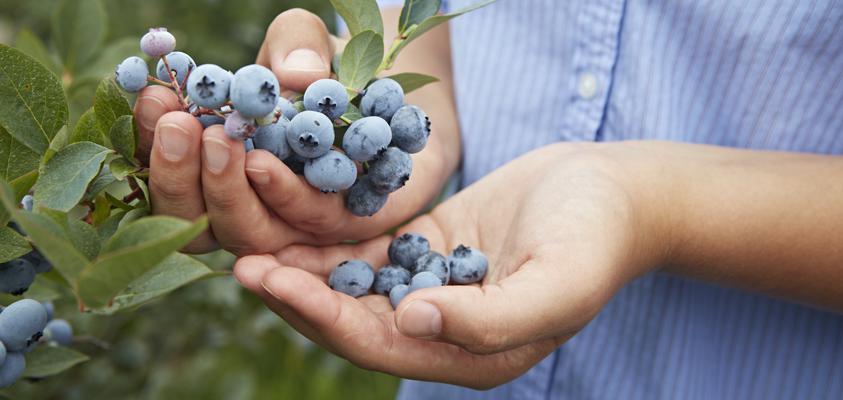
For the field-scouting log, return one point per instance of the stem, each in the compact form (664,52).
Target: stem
(137,193)
(155,80)
(392,53)
(175,83)
(345,119)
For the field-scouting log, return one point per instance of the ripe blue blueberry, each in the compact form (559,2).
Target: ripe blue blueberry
(21,323)
(410,129)
(311,134)
(208,86)
(363,199)
(389,277)
(59,331)
(239,127)
(296,163)
(365,138)
(390,170)
(326,96)
(352,277)
(179,62)
(397,294)
(12,369)
(404,250)
(382,99)
(210,119)
(273,138)
(249,145)
(38,261)
(254,91)
(131,74)
(424,280)
(331,172)
(157,42)
(287,108)
(467,265)
(16,276)
(27,202)
(50,308)
(435,263)
(2,353)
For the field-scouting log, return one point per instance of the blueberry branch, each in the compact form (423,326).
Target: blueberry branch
(175,83)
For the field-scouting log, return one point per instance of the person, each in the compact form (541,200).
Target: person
(657,185)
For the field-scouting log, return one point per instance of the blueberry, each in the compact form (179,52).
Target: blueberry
(21,323)
(131,74)
(467,265)
(38,261)
(382,99)
(311,134)
(210,119)
(363,200)
(435,263)
(296,163)
(397,294)
(286,107)
(390,276)
(12,369)
(157,42)
(326,96)
(59,331)
(365,138)
(27,202)
(208,86)
(179,62)
(2,353)
(16,276)
(254,91)
(352,277)
(404,250)
(424,280)
(50,308)
(249,145)
(331,172)
(239,127)
(391,170)
(410,129)
(273,138)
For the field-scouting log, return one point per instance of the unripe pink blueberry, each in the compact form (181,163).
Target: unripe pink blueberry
(158,42)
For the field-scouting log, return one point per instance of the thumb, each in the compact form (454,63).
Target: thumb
(532,304)
(298,48)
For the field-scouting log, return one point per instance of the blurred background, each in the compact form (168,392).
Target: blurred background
(212,339)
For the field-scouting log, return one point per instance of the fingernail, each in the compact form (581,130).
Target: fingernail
(304,60)
(174,141)
(150,106)
(216,153)
(258,176)
(420,319)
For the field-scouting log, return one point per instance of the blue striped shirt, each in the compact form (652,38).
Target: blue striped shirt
(761,74)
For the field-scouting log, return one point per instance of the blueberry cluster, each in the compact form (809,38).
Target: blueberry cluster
(17,275)
(23,325)
(413,266)
(302,131)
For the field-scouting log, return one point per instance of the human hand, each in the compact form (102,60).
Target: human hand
(254,202)
(564,228)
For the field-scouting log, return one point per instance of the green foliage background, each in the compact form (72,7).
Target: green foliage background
(211,339)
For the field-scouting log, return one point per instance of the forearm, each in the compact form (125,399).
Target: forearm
(764,221)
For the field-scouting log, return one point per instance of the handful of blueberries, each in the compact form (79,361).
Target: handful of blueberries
(413,266)
(378,140)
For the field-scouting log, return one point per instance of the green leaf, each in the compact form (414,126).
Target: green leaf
(108,227)
(174,272)
(360,15)
(46,361)
(16,160)
(58,143)
(352,113)
(360,59)
(416,11)
(101,182)
(78,31)
(410,81)
(22,184)
(66,176)
(12,244)
(87,130)
(132,252)
(123,136)
(32,45)
(121,168)
(413,32)
(109,104)
(84,238)
(33,108)
(52,241)
(7,202)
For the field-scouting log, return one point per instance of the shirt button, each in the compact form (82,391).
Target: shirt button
(587,85)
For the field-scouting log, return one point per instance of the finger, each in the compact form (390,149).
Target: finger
(535,303)
(371,341)
(174,176)
(298,48)
(153,102)
(322,260)
(239,220)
